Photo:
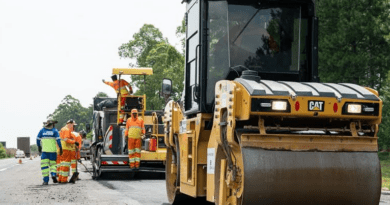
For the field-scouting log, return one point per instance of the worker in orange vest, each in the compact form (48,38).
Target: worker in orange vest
(120,88)
(135,131)
(67,142)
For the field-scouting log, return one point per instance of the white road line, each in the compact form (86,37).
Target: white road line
(2,169)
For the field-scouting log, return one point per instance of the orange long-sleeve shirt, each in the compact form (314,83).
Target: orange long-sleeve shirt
(120,84)
(67,139)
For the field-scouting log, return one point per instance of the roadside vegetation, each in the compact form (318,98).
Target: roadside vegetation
(384,158)
(3,153)
(71,108)
(354,47)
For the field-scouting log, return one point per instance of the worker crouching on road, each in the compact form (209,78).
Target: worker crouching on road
(67,142)
(120,88)
(47,140)
(135,131)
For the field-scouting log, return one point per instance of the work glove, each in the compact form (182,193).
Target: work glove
(61,151)
(76,143)
(143,136)
(103,81)
(40,150)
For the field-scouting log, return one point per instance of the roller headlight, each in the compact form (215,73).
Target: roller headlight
(354,108)
(279,105)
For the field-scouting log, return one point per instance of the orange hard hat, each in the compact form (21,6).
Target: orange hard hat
(134,111)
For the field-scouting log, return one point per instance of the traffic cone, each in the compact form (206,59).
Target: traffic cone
(20,161)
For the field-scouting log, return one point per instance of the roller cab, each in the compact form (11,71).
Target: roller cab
(255,125)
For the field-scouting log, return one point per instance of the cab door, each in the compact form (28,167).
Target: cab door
(192,90)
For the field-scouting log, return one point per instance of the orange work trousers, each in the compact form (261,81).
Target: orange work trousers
(122,113)
(64,166)
(134,152)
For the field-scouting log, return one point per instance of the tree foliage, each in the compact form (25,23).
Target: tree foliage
(34,148)
(352,44)
(101,94)
(151,49)
(71,108)
(2,152)
(143,42)
(384,127)
(354,47)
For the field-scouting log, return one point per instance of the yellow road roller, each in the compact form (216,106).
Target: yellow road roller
(255,125)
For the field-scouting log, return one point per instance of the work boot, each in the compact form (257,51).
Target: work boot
(54,179)
(45,183)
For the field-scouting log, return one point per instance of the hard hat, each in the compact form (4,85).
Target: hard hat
(114,78)
(50,121)
(134,111)
(71,121)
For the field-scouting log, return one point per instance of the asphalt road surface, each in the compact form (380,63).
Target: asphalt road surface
(21,184)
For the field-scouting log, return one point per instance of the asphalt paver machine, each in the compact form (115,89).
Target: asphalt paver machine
(257,126)
(109,149)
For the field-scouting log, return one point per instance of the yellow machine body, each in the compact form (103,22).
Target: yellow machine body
(132,71)
(161,152)
(280,144)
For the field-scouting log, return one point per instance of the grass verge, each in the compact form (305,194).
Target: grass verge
(384,158)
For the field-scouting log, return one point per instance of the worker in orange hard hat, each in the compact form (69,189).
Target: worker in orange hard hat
(67,142)
(120,88)
(135,131)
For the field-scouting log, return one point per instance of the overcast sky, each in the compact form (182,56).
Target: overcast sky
(50,49)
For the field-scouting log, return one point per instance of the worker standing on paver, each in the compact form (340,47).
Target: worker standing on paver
(135,131)
(68,142)
(121,90)
(47,140)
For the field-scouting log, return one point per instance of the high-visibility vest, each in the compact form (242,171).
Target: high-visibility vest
(134,127)
(67,139)
(48,138)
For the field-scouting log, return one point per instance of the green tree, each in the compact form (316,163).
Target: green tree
(354,47)
(151,49)
(2,152)
(71,108)
(101,94)
(384,127)
(180,33)
(34,148)
(352,44)
(143,42)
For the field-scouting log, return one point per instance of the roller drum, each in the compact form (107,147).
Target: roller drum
(320,178)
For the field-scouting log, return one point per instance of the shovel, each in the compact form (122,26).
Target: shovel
(76,174)
(86,168)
